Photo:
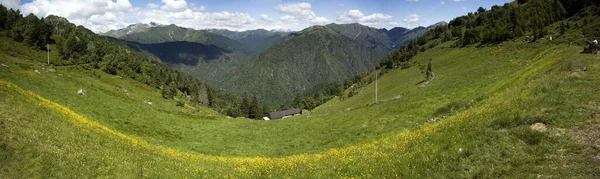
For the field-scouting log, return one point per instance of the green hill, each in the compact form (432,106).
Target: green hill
(318,56)
(255,40)
(472,119)
(489,101)
(173,33)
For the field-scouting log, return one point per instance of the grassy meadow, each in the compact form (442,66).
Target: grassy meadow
(487,96)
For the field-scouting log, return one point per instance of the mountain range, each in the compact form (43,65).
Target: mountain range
(274,66)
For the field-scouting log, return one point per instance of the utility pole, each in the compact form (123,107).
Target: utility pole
(376,78)
(48,52)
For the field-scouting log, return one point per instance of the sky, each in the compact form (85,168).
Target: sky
(238,15)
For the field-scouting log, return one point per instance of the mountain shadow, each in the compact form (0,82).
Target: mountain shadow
(182,52)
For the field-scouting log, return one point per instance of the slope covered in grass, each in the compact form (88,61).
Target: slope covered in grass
(489,95)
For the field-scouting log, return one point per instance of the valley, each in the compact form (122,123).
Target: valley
(463,99)
(257,60)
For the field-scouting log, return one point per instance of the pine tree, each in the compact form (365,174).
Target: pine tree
(254,108)
(245,106)
(298,101)
(169,91)
(3,15)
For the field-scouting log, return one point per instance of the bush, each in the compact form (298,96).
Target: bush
(180,104)
(169,91)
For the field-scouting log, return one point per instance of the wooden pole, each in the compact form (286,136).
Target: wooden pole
(48,52)
(376,81)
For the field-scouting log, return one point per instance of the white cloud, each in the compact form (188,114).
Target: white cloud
(300,14)
(442,2)
(301,9)
(355,14)
(104,15)
(10,4)
(412,0)
(174,5)
(74,8)
(97,15)
(266,18)
(412,20)
(378,20)
(152,5)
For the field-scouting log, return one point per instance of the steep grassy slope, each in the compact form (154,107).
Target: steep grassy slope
(490,96)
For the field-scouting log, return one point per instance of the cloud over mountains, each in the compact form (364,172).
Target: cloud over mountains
(104,15)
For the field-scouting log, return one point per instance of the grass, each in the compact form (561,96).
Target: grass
(490,96)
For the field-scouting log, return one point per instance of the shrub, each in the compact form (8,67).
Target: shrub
(180,104)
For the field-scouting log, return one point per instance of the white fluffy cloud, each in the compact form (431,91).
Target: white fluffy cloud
(301,9)
(97,15)
(10,4)
(104,15)
(300,14)
(174,5)
(378,20)
(152,5)
(412,20)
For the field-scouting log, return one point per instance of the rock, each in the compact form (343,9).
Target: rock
(397,97)
(347,109)
(51,70)
(37,71)
(82,92)
(433,119)
(460,150)
(597,157)
(4,65)
(540,127)
(582,69)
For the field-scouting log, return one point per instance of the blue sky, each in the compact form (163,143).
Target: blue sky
(103,15)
